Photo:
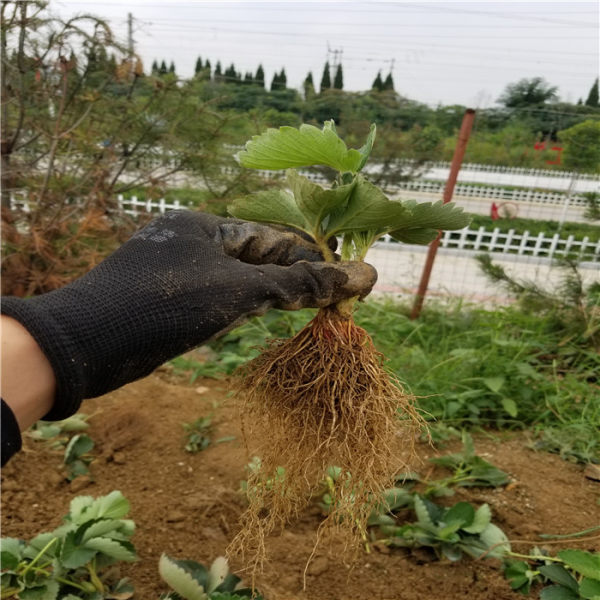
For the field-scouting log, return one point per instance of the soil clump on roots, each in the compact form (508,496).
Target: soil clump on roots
(321,399)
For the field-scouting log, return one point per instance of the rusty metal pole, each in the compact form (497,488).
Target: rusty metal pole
(459,153)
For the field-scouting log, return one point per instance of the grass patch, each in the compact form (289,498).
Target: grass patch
(536,226)
(468,367)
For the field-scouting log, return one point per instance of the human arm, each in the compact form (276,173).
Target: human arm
(28,382)
(184,279)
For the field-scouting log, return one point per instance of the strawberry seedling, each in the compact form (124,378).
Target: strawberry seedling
(190,580)
(324,397)
(77,456)
(449,532)
(197,434)
(72,561)
(570,575)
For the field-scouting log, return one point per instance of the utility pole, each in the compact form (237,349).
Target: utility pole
(459,152)
(337,54)
(130,46)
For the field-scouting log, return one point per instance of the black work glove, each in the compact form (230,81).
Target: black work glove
(180,281)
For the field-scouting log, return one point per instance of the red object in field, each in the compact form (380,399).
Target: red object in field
(494,212)
(539,146)
(557,149)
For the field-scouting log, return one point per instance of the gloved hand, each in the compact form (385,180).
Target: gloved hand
(180,281)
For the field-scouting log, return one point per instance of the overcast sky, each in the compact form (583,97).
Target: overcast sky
(438,52)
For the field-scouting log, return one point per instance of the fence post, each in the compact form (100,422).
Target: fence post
(538,243)
(570,190)
(459,153)
(523,244)
(553,245)
(584,243)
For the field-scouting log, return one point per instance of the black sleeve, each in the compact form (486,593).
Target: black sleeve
(11,436)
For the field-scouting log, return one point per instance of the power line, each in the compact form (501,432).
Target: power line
(313,23)
(286,34)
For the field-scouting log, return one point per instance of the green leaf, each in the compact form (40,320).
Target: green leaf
(45,431)
(365,151)
(481,519)
(368,208)
(72,555)
(583,562)
(38,543)
(270,206)
(111,506)
(451,551)
(116,549)
(78,507)
(290,147)
(494,383)
(180,580)
(423,516)
(315,202)
(100,527)
(493,536)
(558,592)
(468,446)
(558,574)
(395,498)
(78,445)
(219,570)
(416,236)
(48,591)
(462,513)
(76,468)
(589,588)
(433,215)
(516,573)
(10,553)
(484,473)
(510,406)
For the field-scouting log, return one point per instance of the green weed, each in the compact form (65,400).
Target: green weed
(508,368)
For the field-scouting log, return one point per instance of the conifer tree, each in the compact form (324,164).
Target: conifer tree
(388,84)
(377,84)
(326,78)
(309,86)
(172,68)
(592,99)
(198,68)
(163,68)
(154,67)
(207,68)
(338,80)
(259,78)
(275,82)
(282,80)
(230,74)
(218,76)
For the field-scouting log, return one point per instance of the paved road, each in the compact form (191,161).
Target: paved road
(514,179)
(483,206)
(456,273)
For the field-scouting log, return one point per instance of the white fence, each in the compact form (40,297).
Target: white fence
(517,171)
(522,244)
(460,190)
(471,240)
(134,207)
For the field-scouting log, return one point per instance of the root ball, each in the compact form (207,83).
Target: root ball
(318,400)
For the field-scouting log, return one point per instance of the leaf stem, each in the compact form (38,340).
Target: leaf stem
(38,556)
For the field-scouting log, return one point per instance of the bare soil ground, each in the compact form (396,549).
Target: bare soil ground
(187,505)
